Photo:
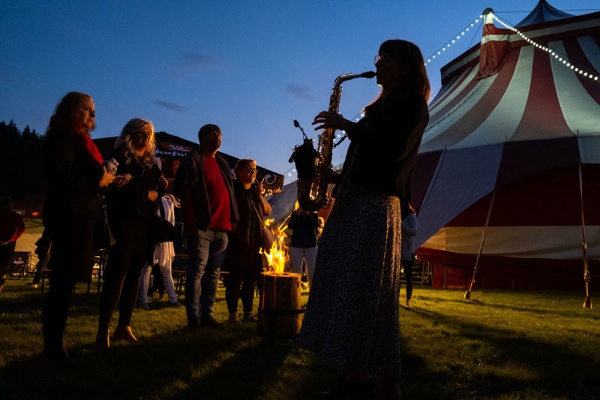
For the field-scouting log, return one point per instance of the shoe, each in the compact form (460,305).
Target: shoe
(59,356)
(33,285)
(233,319)
(210,322)
(144,306)
(102,339)
(193,323)
(351,390)
(124,333)
(176,304)
(250,318)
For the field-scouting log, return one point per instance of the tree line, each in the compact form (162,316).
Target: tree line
(21,170)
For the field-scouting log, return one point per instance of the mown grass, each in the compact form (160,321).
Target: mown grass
(498,345)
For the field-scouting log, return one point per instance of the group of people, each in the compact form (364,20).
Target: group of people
(128,187)
(352,315)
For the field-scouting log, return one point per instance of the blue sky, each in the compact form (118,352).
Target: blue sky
(251,67)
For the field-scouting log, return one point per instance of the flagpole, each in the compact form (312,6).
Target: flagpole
(487,221)
(587,277)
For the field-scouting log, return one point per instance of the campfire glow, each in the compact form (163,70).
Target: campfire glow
(277,256)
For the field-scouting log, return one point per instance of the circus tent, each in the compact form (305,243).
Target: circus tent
(508,170)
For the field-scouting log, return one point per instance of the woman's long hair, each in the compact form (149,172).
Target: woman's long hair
(125,142)
(64,114)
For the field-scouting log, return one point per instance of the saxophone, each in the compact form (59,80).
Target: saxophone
(312,193)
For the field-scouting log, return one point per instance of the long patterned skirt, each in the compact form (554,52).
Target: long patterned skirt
(352,312)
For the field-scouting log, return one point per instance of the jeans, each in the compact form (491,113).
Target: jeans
(167,277)
(206,253)
(309,255)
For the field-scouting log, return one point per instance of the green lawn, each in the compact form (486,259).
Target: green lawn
(497,345)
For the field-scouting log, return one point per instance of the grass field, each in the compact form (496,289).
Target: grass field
(497,345)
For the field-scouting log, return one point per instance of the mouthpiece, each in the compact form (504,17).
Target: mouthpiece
(368,74)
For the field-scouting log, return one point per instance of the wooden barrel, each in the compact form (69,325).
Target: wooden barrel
(280,312)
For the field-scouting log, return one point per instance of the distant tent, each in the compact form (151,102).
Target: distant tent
(514,158)
(171,149)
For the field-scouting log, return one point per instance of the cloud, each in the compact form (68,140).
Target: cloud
(193,60)
(190,62)
(170,106)
(298,91)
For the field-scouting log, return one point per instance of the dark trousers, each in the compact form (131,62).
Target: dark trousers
(408,269)
(241,283)
(121,285)
(55,311)
(6,255)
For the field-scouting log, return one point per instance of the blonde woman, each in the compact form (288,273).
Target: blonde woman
(131,212)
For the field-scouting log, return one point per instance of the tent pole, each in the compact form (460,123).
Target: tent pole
(487,221)
(586,271)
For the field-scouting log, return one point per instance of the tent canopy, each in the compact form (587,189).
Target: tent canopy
(503,148)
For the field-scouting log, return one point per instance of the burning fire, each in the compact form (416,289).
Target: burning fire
(277,256)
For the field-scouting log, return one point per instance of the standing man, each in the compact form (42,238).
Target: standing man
(204,183)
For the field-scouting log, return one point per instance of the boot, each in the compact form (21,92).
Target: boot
(102,339)
(124,333)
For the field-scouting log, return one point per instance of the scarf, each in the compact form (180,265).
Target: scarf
(89,146)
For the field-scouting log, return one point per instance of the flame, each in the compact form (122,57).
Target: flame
(277,256)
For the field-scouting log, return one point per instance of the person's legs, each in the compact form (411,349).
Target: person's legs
(167,275)
(310,258)
(232,289)
(408,272)
(130,288)
(55,311)
(296,257)
(114,276)
(210,279)
(198,243)
(248,289)
(6,255)
(144,283)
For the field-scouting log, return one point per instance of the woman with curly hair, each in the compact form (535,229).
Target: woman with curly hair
(76,173)
(132,213)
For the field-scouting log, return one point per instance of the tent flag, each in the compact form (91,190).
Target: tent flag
(494,45)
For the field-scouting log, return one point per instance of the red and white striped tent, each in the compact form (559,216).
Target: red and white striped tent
(508,175)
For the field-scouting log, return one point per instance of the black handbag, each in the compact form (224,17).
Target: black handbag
(165,231)
(103,236)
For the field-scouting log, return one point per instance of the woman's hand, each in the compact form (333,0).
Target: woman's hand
(328,119)
(258,187)
(107,178)
(152,195)
(163,183)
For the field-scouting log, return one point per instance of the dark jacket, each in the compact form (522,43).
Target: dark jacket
(132,216)
(385,144)
(73,179)
(245,241)
(190,187)
(304,225)
(72,204)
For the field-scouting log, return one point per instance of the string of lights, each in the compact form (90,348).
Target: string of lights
(453,41)
(561,58)
(340,135)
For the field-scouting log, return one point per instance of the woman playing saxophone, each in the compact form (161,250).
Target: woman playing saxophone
(352,312)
